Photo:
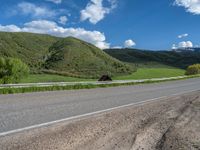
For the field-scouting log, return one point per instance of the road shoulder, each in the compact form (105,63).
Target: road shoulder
(172,123)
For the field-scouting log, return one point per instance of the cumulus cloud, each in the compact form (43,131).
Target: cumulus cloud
(49,27)
(10,28)
(183,36)
(116,47)
(129,43)
(185,44)
(174,46)
(113,3)
(192,6)
(63,20)
(33,10)
(55,1)
(95,11)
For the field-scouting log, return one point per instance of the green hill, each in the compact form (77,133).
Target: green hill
(169,58)
(83,59)
(31,48)
(68,56)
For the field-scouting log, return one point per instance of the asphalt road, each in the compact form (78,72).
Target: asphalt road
(24,110)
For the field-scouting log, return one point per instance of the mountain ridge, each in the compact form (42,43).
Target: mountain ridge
(175,59)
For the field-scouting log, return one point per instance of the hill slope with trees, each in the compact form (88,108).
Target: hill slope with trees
(84,59)
(170,58)
(67,56)
(30,48)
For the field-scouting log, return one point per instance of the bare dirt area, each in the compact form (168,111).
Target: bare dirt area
(171,123)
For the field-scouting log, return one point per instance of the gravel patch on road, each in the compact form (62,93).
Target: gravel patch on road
(171,123)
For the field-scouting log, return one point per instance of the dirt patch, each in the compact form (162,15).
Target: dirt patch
(172,123)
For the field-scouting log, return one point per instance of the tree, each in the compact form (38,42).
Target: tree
(12,70)
(193,69)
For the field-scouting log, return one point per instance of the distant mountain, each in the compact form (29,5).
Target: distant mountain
(176,59)
(68,56)
(197,49)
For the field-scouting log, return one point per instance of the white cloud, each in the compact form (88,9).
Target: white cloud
(63,20)
(192,6)
(95,11)
(174,46)
(27,8)
(10,28)
(129,43)
(185,44)
(55,1)
(49,27)
(116,47)
(183,35)
(113,3)
(40,26)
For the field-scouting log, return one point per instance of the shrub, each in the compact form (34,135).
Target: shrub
(193,69)
(12,70)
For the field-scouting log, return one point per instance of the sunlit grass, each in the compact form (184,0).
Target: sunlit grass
(149,73)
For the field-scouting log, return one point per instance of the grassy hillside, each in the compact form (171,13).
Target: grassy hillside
(31,48)
(175,59)
(83,59)
(68,56)
(39,78)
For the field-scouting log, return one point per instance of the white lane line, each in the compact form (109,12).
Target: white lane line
(92,113)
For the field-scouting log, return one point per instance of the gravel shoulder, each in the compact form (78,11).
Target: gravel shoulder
(170,123)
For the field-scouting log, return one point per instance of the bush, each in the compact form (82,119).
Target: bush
(12,70)
(193,69)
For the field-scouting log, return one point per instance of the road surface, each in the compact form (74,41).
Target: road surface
(24,110)
(168,123)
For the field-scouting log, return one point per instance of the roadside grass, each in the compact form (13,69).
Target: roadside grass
(149,73)
(79,86)
(41,78)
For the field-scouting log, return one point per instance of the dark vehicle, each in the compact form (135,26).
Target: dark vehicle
(105,78)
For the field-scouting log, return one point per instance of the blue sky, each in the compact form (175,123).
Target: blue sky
(144,24)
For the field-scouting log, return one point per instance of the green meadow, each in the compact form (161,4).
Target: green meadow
(149,73)
(142,73)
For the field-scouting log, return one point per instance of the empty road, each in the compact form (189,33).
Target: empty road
(24,110)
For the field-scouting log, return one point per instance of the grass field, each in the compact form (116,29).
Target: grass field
(152,64)
(37,78)
(142,73)
(148,73)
